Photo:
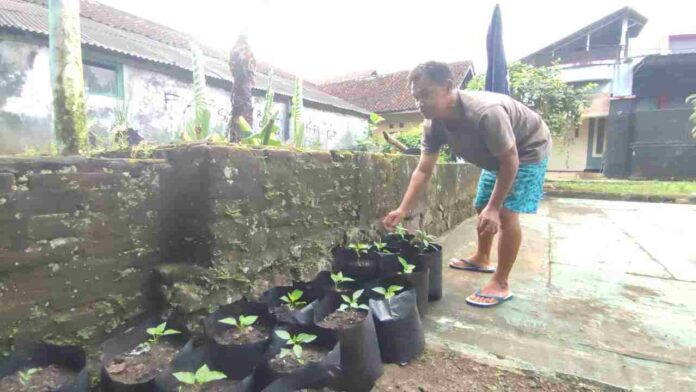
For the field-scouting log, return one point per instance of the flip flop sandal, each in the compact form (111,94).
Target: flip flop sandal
(470,266)
(498,300)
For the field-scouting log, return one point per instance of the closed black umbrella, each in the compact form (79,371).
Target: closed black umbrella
(496,75)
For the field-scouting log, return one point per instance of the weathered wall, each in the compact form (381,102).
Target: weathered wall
(158,104)
(76,238)
(213,222)
(571,154)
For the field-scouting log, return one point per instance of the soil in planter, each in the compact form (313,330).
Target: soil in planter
(248,335)
(289,363)
(137,367)
(47,379)
(342,320)
(283,312)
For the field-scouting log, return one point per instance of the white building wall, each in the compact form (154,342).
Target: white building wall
(157,105)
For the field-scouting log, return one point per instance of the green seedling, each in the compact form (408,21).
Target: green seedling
(293,299)
(296,341)
(242,323)
(25,377)
(201,377)
(401,231)
(389,292)
(338,278)
(380,247)
(351,302)
(359,248)
(407,268)
(424,240)
(159,331)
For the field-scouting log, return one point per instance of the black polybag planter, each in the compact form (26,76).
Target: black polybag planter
(363,268)
(129,339)
(361,360)
(237,361)
(419,278)
(395,243)
(304,316)
(191,358)
(325,373)
(433,259)
(399,329)
(72,358)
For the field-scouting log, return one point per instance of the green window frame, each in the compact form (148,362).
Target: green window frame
(104,65)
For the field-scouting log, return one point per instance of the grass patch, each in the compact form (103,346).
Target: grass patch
(623,187)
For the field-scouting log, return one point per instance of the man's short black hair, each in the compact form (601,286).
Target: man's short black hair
(436,71)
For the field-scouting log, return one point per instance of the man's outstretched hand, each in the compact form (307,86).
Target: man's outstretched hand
(489,221)
(393,219)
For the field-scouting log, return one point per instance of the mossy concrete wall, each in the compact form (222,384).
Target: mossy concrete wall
(76,237)
(88,243)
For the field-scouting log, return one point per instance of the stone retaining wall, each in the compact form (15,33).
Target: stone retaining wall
(79,237)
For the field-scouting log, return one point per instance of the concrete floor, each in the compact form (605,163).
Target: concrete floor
(604,290)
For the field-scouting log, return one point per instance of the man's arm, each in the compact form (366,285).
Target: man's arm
(419,180)
(509,163)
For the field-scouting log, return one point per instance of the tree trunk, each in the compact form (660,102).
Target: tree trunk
(243,66)
(69,119)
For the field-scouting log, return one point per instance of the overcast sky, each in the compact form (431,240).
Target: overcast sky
(318,39)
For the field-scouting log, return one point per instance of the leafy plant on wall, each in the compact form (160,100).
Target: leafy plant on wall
(692,101)
(298,126)
(199,127)
(267,135)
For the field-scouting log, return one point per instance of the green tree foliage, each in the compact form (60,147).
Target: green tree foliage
(541,89)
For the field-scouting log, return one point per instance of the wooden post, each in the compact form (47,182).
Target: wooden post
(67,81)
(243,67)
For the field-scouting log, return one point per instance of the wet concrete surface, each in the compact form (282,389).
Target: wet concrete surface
(603,290)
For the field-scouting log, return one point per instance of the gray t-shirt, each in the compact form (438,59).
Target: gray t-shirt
(489,125)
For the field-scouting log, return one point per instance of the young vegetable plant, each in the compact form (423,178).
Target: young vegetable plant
(359,248)
(380,247)
(296,341)
(242,323)
(389,292)
(25,377)
(159,331)
(201,377)
(351,302)
(338,278)
(407,268)
(424,240)
(401,231)
(293,299)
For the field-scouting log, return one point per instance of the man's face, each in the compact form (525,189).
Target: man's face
(432,98)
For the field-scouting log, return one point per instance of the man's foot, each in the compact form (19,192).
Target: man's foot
(491,293)
(481,262)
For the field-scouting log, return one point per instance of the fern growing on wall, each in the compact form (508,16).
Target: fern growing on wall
(268,101)
(200,126)
(692,100)
(296,119)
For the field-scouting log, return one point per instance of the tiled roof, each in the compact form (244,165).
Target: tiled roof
(109,29)
(386,93)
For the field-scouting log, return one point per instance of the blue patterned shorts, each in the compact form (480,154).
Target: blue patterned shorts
(526,193)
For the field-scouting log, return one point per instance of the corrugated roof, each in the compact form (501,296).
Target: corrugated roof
(32,16)
(387,93)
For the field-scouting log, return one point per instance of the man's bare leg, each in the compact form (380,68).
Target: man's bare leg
(508,247)
(482,257)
